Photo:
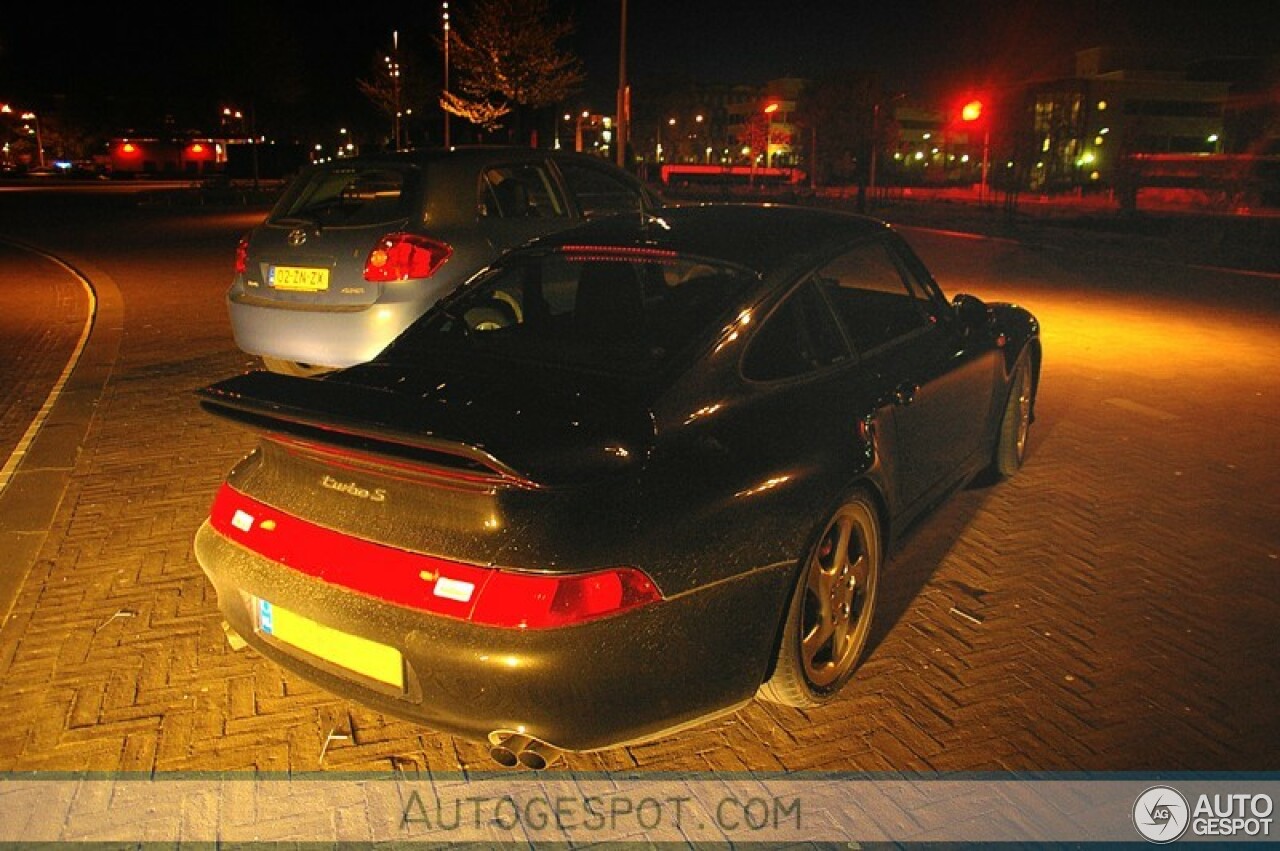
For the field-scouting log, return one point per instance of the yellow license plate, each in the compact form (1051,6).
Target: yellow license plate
(367,658)
(298,278)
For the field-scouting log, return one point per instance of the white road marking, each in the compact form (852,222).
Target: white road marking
(24,444)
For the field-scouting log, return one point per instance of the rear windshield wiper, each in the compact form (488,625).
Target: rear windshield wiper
(295,219)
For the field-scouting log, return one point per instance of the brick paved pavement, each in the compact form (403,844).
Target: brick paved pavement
(1112,607)
(43,313)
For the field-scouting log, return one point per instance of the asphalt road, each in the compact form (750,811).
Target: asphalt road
(1112,607)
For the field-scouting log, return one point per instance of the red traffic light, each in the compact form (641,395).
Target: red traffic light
(971,111)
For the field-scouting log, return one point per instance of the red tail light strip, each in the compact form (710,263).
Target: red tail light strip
(608,253)
(404,256)
(452,589)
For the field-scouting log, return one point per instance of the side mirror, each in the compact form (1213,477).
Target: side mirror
(972,311)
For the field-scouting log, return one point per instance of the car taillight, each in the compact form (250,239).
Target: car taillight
(527,601)
(242,256)
(469,592)
(401,256)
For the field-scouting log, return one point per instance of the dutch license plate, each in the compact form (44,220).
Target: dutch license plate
(367,658)
(302,279)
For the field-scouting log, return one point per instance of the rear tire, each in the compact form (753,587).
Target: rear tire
(830,615)
(289,367)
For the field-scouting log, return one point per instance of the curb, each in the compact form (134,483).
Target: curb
(35,486)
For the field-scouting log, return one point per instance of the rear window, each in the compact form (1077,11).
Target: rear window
(350,196)
(618,311)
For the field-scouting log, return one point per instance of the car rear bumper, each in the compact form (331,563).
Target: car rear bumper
(584,687)
(324,336)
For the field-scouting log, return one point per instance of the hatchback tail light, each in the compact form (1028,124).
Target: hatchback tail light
(401,256)
(242,256)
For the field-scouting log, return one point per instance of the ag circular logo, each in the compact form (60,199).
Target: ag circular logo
(1161,814)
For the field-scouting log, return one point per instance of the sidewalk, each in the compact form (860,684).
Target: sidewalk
(51,376)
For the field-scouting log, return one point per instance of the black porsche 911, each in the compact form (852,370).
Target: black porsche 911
(629,476)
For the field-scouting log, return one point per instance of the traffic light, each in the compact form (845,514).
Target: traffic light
(971,111)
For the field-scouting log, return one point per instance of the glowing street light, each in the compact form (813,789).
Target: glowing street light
(35,122)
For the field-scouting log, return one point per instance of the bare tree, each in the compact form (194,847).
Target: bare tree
(840,114)
(396,86)
(507,57)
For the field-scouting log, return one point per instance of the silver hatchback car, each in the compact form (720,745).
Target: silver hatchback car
(355,250)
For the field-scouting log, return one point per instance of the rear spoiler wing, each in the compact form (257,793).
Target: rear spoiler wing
(315,412)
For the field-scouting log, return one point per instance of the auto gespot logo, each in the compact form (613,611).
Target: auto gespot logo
(1162,814)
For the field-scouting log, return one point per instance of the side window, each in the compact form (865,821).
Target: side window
(521,191)
(598,192)
(800,336)
(932,300)
(869,295)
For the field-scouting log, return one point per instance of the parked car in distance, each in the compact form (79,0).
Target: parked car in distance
(356,249)
(632,475)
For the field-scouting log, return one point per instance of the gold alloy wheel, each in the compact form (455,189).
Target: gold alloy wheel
(840,591)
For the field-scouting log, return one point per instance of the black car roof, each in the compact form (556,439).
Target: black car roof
(761,237)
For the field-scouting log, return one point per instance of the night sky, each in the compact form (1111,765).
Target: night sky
(192,56)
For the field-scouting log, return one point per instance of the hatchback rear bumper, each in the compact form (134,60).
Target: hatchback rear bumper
(327,336)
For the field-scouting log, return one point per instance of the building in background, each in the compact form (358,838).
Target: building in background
(761,124)
(1083,130)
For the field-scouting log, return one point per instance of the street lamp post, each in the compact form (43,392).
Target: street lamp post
(393,71)
(623,129)
(444,15)
(875,140)
(567,119)
(35,122)
(577,131)
(767,114)
(768,129)
(31,116)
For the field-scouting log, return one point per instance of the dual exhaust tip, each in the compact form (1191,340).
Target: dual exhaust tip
(511,750)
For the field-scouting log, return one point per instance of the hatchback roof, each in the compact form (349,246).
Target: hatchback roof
(761,237)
